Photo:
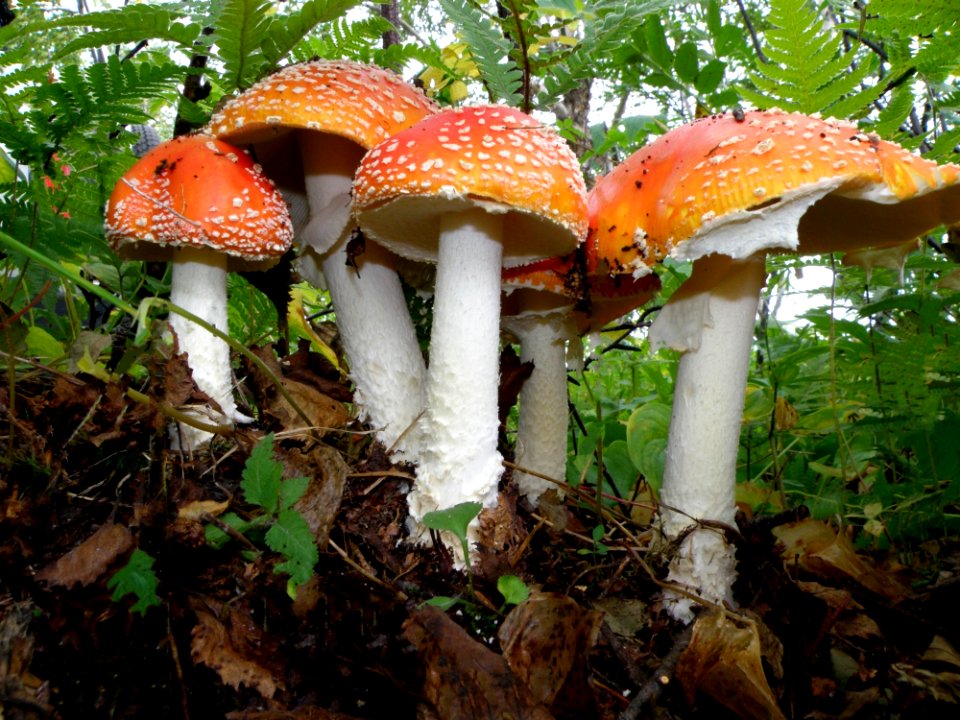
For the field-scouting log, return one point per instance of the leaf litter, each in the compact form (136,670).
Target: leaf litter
(88,487)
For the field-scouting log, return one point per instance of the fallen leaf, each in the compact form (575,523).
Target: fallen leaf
(819,549)
(322,410)
(91,558)
(464,678)
(328,475)
(546,640)
(227,641)
(308,712)
(194,511)
(724,662)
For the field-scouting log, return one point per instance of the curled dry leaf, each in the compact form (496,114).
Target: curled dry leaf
(322,410)
(328,474)
(819,549)
(194,511)
(463,678)
(547,640)
(724,662)
(229,642)
(91,558)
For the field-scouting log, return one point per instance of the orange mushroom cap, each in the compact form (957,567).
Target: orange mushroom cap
(195,191)
(362,103)
(677,188)
(489,156)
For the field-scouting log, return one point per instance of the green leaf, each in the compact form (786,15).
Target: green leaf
(291,537)
(262,477)
(513,589)
(292,490)
(489,49)
(656,38)
(217,538)
(685,62)
(455,520)
(136,578)
(710,77)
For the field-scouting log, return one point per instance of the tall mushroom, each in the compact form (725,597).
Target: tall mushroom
(471,190)
(309,124)
(204,205)
(547,305)
(722,192)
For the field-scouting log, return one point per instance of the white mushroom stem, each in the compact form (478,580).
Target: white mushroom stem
(459,462)
(542,425)
(380,342)
(699,478)
(199,286)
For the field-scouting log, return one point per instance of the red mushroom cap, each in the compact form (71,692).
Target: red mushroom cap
(199,192)
(493,157)
(674,191)
(362,103)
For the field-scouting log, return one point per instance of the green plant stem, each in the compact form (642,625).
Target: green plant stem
(108,297)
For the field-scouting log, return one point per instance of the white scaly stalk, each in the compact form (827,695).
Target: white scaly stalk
(459,462)
(199,286)
(699,480)
(542,424)
(386,364)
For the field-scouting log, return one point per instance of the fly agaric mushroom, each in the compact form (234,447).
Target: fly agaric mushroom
(309,125)
(204,205)
(471,190)
(722,192)
(548,304)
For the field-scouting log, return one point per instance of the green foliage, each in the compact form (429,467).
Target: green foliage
(808,71)
(286,531)
(513,589)
(489,48)
(454,520)
(136,578)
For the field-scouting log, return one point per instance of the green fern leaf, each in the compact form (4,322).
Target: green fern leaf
(285,32)
(131,24)
(489,49)
(806,69)
(239,33)
(605,27)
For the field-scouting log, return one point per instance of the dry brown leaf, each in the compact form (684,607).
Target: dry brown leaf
(307,712)
(322,410)
(226,643)
(194,511)
(463,678)
(819,549)
(723,661)
(328,475)
(91,558)
(546,639)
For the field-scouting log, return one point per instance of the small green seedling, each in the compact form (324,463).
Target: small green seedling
(598,547)
(513,589)
(285,531)
(136,578)
(455,520)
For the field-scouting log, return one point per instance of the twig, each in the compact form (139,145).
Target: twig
(400,594)
(659,680)
(753,33)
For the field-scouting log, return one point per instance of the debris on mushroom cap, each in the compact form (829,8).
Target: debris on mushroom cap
(719,169)
(363,103)
(199,192)
(492,157)
(596,298)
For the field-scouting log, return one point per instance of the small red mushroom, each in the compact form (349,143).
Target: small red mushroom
(204,205)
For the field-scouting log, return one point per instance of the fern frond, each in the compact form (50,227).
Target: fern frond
(130,24)
(807,70)
(345,39)
(239,32)
(489,48)
(609,22)
(286,31)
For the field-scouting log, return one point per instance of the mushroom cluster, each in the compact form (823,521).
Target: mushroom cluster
(496,201)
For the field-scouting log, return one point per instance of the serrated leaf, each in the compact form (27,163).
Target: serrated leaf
(136,578)
(710,76)
(292,490)
(262,476)
(291,537)
(686,63)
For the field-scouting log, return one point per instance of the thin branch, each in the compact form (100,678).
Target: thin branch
(753,33)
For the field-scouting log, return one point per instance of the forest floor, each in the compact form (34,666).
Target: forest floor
(822,631)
